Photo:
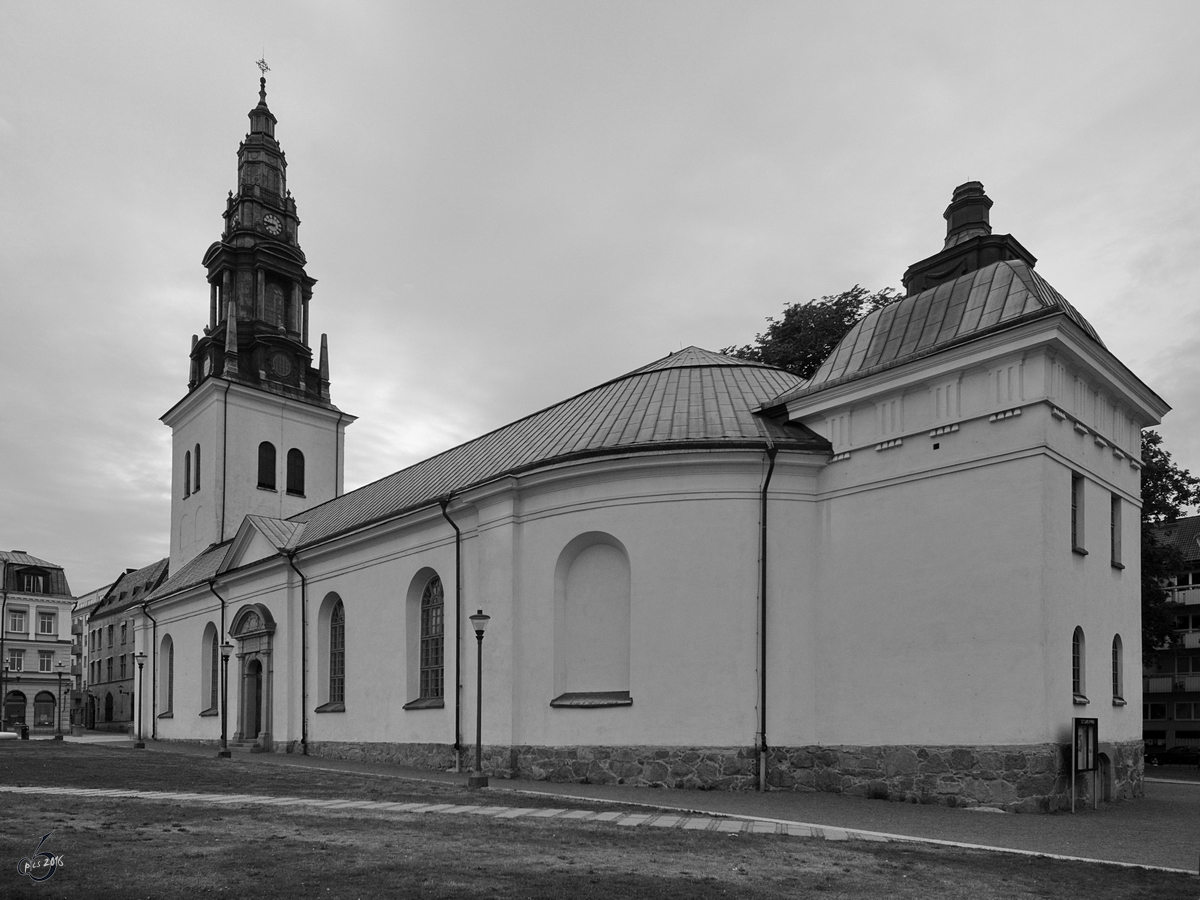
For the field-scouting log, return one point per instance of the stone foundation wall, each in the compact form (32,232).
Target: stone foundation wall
(1019,778)
(421,756)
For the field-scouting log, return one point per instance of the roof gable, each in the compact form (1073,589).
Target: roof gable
(260,537)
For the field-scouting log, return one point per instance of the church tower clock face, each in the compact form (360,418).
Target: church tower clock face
(272,224)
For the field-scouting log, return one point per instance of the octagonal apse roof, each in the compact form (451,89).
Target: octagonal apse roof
(997,296)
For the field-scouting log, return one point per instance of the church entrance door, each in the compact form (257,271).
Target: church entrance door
(254,698)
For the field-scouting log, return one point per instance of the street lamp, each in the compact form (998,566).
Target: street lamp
(140,659)
(4,694)
(477,779)
(226,649)
(59,670)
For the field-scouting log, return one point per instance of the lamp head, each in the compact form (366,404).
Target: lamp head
(226,650)
(479,623)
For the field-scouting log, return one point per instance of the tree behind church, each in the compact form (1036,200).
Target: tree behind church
(806,333)
(1166,491)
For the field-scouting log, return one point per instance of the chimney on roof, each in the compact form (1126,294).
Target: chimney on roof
(967,214)
(130,571)
(18,551)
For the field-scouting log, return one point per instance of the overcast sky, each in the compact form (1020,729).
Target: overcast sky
(507,203)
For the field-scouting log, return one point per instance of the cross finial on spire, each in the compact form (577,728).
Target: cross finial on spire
(262,65)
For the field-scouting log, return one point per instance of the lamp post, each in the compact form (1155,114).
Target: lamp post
(140,659)
(59,669)
(477,779)
(4,693)
(226,649)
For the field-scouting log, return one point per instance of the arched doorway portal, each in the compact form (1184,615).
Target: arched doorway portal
(14,708)
(254,630)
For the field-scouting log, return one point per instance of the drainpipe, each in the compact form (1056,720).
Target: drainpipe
(212,586)
(303,653)
(445,502)
(772,450)
(153,673)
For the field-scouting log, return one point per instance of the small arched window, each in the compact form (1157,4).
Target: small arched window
(337,654)
(1118,674)
(196,461)
(266,466)
(295,472)
(187,474)
(1078,666)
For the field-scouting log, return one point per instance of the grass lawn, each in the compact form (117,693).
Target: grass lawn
(132,848)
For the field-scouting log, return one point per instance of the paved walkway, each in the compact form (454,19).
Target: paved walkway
(1162,830)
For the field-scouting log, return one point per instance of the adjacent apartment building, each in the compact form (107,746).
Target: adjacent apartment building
(35,643)
(1171,680)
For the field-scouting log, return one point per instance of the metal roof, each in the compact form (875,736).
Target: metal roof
(690,398)
(996,296)
(131,589)
(693,398)
(21,558)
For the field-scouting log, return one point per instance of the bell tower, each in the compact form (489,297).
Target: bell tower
(256,432)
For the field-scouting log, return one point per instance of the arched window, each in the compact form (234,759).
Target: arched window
(337,654)
(210,679)
(14,708)
(1078,666)
(187,474)
(43,709)
(592,613)
(166,678)
(274,302)
(1118,674)
(196,480)
(432,638)
(295,472)
(266,466)
(331,654)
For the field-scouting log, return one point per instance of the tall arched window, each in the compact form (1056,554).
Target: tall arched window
(592,616)
(337,654)
(432,639)
(210,656)
(14,708)
(1078,666)
(166,683)
(1118,674)
(187,474)
(196,461)
(266,466)
(295,472)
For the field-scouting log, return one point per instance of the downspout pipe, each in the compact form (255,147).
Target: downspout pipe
(224,461)
(771,450)
(212,586)
(303,653)
(445,502)
(153,673)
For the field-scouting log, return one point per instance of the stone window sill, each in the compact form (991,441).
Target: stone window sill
(1118,701)
(263,487)
(1080,700)
(426,703)
(1118,565)
(331,707)
(167,715)
(1079,550)
(211,711)
(592,699)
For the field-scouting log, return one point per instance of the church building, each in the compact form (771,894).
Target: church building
(901,578)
